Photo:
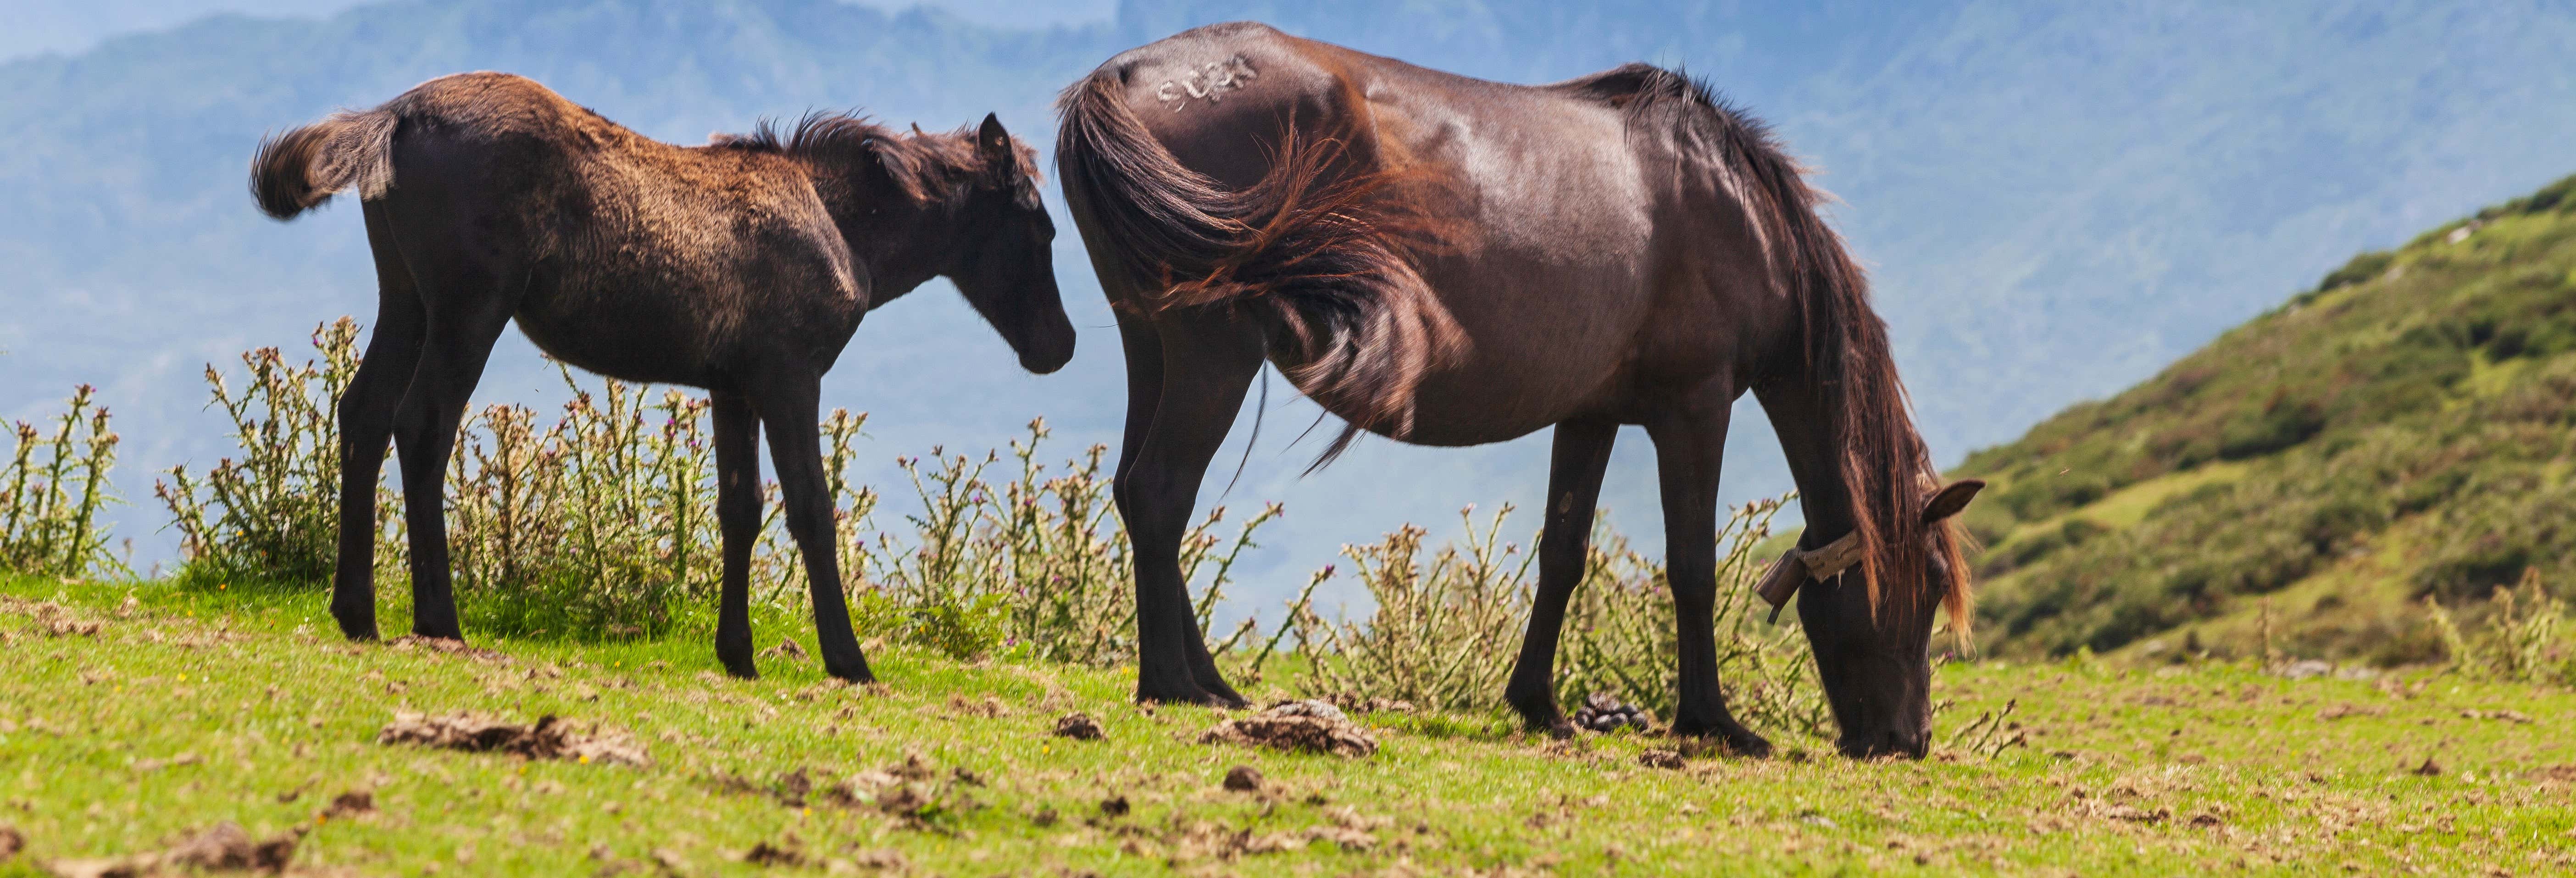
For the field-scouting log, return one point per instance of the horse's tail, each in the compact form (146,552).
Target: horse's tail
(304,167)
(1321,247)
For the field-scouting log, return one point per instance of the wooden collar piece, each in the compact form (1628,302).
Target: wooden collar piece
(1797,566)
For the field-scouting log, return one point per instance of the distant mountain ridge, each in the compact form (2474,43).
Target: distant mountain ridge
(2054,201)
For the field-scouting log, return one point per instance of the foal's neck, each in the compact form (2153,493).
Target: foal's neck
(901,242)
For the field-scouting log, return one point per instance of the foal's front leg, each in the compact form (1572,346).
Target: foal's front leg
(791,408)
(738,517)
(1690,445)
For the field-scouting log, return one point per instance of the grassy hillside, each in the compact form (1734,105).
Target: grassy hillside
(2403,431)
(133,716)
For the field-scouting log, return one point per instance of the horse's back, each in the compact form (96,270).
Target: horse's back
(1551,258)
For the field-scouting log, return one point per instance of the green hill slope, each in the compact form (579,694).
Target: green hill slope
(2402,431)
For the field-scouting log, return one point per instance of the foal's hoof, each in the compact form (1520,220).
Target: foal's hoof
(855,675)
(742,671)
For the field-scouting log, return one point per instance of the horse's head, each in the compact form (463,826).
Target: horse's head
(1005,261)
(1874,653)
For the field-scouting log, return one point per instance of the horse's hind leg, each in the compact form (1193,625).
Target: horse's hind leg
(366,414)
(1205,365)
(1582,452)
(1689,447)
(791,406)
(738,517)
(468,304)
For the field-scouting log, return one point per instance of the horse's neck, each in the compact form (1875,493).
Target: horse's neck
(1801,412)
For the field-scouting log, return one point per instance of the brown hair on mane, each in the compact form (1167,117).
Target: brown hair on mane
(926,166)
(1884,462)
(1321,246)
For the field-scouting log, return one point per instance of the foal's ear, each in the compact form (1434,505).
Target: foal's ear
(1952,498)
(994,144)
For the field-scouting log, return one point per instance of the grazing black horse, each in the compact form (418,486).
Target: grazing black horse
(1449,261)
(741,267)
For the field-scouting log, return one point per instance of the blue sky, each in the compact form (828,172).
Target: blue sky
(69,26)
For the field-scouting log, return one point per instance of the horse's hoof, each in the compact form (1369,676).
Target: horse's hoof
(1190,695)
(1743,742)
(1561,730)
(858,676)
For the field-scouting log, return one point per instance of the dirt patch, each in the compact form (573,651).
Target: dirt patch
(786,649)
(1243,779)
(2346,709)
(549,738)
(1300,726)
(786,853)
(223,847)
(1078,726)
(11,842)
(1666,759)
(2511,716)
(350,805)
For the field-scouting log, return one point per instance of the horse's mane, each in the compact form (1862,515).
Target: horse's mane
(1884,463)
(926,166)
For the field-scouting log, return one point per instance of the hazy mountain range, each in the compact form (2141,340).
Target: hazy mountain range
(2055,200)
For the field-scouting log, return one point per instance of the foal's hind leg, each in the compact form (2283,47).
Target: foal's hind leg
(366,413)
(1205,365)
(791,406)
(1582,452)
(468,304)
(1689,446)
(738,517)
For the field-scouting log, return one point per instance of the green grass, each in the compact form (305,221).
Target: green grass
(201,707)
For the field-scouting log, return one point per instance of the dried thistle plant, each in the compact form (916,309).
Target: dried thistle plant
(52,490)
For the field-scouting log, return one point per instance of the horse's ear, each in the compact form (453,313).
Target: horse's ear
(1952,498)
(994,144)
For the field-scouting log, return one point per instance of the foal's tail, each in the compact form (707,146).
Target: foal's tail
(1322,246)
(298,170)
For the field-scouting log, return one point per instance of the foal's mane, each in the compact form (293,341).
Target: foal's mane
(1884,464)
(926,166)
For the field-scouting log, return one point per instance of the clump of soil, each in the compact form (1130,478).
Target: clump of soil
(549,738)
(1661,759)
(1243,779)
(1301,726)
(223,847)
(1078,726)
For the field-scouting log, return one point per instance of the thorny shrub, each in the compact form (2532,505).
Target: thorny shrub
(271,516)
(2521,640)
(1441,635)
(52,489)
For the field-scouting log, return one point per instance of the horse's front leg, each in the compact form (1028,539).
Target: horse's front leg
(1581,454)
(738,518)
(1204,364)
(366,415)
(790,406)
(1690,444)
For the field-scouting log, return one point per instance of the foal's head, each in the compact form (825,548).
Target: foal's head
(1005,259)
(969,212)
